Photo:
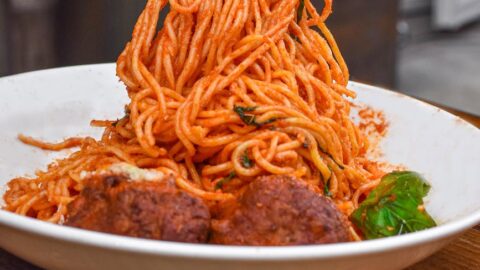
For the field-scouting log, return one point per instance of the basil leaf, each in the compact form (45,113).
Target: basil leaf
(394,207)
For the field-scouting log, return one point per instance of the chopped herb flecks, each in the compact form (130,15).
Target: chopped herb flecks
(301,7)
(250,119)
(331,157)
(126,116)
(326,189)
(246,161)
(225,180)
(326,183)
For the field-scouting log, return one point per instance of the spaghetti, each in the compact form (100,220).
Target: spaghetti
(224,92)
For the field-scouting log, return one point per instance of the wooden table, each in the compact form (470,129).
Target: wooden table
(463,254)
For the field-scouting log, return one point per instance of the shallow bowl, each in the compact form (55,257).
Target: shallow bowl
(53,104)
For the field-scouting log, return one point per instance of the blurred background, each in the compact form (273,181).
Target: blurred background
(426,48)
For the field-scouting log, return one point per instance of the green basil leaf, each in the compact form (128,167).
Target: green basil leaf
(394,207)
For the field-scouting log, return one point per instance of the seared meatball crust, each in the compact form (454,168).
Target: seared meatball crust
(279,211)
(145,209)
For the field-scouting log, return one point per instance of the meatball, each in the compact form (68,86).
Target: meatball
(279,211)
(147,209)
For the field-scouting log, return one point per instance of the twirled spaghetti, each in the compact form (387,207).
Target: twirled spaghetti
(225,91)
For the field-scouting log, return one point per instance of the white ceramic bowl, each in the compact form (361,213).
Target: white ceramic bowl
(53,104)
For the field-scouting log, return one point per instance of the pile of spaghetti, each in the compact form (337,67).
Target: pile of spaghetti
(224,92)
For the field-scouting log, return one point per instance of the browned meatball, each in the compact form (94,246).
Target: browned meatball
(154,210)
(279,211)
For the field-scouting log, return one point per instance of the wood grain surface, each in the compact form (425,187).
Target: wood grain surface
(462,254)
